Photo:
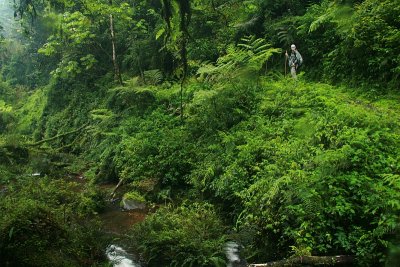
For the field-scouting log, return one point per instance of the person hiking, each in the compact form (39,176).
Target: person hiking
(295,60)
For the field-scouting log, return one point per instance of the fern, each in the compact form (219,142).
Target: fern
(392,179)
(284,36)
(248,56)
(333,12)
(153,77)
(101,114)
(4,107)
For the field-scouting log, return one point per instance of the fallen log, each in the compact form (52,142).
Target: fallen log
(58,136)
(113,193)
(309,260)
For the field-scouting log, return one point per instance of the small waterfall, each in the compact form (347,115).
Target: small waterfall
(119,257)
(232,250)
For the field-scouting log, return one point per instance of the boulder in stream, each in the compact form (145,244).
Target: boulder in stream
(133,201)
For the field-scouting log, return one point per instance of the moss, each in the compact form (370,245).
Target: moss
(31,112)
(134,195)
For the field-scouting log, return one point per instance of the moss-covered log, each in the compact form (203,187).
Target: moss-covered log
(309,260)
(58,136)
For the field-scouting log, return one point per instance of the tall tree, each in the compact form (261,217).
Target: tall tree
(117,72)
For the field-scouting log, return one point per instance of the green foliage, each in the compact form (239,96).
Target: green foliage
(154,141)
(190,235)
(249,56)
(278,8)
(132,98)
(41,224)
(352,41)
(295,168)
(77,32)
(6,116)
(219,109)
(369,52)
(332,12)
(320,171)
(13,157)
(31,113)
(19,64)
(152,77)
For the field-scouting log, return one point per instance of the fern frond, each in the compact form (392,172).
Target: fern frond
(248,56)
(153,77)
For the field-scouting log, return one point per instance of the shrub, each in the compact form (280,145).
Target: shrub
(190,235)
(43,223)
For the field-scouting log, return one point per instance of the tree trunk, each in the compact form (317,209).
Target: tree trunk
(309,260)
(114,54)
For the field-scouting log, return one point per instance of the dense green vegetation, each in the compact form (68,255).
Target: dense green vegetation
(45,223)
(185,103)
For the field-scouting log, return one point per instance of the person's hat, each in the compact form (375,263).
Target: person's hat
(293,46)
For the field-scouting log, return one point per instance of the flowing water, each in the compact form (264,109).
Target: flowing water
(120,258)
(232,252)
(117,222)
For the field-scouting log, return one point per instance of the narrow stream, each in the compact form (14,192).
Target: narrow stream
(117,222)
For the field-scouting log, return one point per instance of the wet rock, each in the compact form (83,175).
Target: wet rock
(131,204)
(133,201)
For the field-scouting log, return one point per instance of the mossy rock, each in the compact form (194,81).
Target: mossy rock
(133,201)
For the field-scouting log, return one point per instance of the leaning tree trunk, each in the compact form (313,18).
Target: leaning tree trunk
(309,260)
(117,73)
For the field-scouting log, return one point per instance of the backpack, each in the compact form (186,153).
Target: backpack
(299,59)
